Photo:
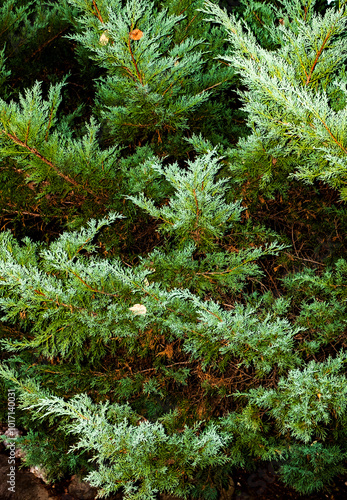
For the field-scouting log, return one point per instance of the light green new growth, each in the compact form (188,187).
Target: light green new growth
(30,135)
(153,84)
(127,448)
(198,211)
(296,129)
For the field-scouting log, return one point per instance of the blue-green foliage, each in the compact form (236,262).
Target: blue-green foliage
(30,131)
(307,400)
(155,79)
(128,448)
(295,130)
(197,212)
(170,334)
(310,468)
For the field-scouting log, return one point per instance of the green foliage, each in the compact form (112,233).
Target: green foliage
(4,73)
(68,301)
(322,304)
(310,468)
(305,402)
(197,212)
(30,131)
(27,29)
(295,130)
(157,75)
(127,448)
(52,453)
(173,305)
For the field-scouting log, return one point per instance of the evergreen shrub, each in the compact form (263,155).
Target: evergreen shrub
(160,323)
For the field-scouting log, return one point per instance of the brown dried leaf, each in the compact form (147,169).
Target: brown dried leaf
(167,352)
(136,34)
(104,39)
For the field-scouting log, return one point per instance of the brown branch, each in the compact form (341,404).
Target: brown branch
(307,260)
(129,72)
(214,273)
(136,125)
(213,314)
(45,44)
(186,28)
(93,289)
(42,158)
(317,57)
(215,85)
(68,306)
(166,366)
(133,58)
(169,87)
(23,213)
(190,22)
(331,135)
(98,15)
(325,126)
(258,18)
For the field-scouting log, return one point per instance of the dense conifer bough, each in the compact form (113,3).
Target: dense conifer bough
(157,75)
(295,94)
(165,372)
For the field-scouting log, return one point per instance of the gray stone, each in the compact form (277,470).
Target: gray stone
(39,472)
(13,433)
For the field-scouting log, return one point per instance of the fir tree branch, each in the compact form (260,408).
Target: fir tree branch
(213,314)
(258,18)
(188,25)
(331,134)
(42,158)
(166,366)
(136,124)
(169,87)
(212,86)
(133,78)
(227,271)
(92,289)
(78,413)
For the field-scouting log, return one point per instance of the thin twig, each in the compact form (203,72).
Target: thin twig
(91,288)
(215,85)
(133,59)
(98,15)
(42,158)
(317,57)
(23,213)
(307,260)
(45,44)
